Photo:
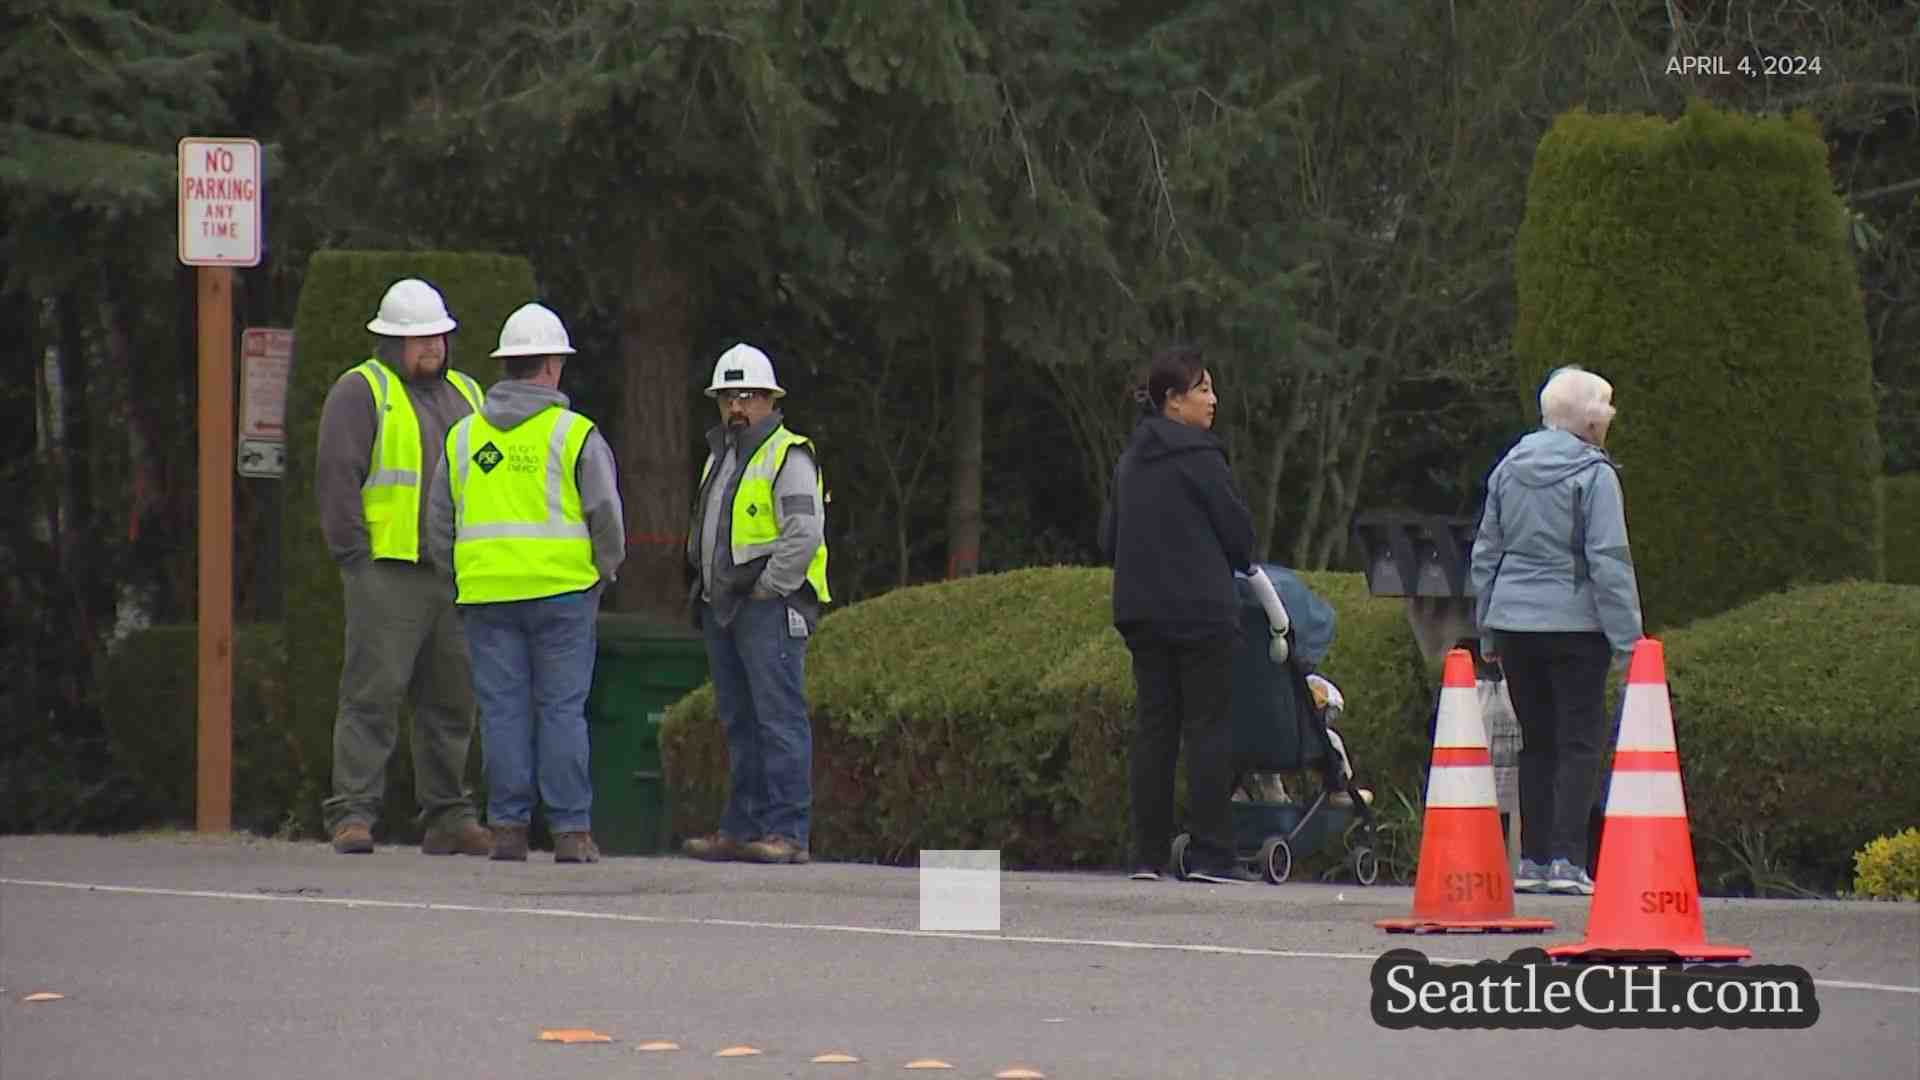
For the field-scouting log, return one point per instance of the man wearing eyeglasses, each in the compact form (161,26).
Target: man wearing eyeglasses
(757,546)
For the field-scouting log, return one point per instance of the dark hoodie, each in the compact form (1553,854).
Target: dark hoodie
(1175,532)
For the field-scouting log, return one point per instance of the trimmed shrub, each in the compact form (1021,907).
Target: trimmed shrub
(1702,267)
(994,711)
(1901,496)
(1798,721)
(149,697)
(1374,661)
(1889,867)
(342,291)
(926,731)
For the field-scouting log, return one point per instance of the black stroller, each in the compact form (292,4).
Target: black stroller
(1278,728)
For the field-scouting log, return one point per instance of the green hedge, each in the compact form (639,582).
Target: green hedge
(342,291)
(992,712)
(1901,497)
(1388,689)
(149,698)
(1798,722)
(926,731)
(1702,267)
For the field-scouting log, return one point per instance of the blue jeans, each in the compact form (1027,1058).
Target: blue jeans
(532,668)
(759,690)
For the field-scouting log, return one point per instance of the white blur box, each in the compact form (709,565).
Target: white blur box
(960,890)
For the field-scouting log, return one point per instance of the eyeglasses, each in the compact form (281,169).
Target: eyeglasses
(742,395)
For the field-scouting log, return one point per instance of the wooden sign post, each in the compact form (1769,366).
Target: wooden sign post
(214,800)
(220,202)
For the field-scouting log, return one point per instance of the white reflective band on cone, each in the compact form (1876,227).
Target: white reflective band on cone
(1461,787)
(1459,722)
(1646,722)
(1646,794)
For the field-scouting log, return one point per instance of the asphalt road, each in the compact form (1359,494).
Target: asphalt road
(180,956)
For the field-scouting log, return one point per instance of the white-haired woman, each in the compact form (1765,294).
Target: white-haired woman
(1557,604)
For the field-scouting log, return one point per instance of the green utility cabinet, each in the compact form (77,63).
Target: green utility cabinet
(641,666)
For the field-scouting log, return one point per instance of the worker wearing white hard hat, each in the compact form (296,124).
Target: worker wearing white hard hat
(743,367)
(758,555)
(412,308)
(524,511)
(382,429)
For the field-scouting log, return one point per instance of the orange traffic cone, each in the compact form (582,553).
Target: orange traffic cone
(1464,885)
(1646,897)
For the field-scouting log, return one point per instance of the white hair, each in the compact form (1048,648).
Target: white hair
(1575,399)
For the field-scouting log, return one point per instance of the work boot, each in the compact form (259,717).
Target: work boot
(774,849)
(713,847)
(466,838)
(509,843)
(353,838)
(575,847)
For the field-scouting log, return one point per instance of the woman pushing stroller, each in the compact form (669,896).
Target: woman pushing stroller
(1176,532)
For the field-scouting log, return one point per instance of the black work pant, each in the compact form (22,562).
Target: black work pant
(1558,683)
(1183,688)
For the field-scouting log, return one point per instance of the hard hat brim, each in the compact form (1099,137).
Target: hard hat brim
(714,390)
(533,350)
(433,329)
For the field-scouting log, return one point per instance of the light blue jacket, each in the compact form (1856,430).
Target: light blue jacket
(1552,553)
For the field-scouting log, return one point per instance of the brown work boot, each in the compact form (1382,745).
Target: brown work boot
(466,838)
(510,843)
(713,847)
(575,847)
(352,838)
(774,849)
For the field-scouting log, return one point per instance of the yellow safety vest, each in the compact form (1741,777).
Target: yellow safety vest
(518,529)
(754,526)
(390,497)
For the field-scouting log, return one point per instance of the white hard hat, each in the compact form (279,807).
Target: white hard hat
(412,308)
(533,330)
(744,367)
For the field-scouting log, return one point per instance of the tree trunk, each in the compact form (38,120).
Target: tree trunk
(1317,493)
(1336,532)
(969,413)
(79,550)
(24,557)
(1099,415)
(1276,469)
(653,448)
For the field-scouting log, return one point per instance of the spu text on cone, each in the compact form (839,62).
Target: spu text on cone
(1463,885)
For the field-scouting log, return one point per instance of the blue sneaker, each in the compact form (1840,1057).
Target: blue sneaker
(1564,877)
(1530,878)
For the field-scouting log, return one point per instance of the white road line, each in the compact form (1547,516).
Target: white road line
(756,924)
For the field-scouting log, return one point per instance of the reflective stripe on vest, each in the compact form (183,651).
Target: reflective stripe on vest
(519,530)
(755,528)
(390,496)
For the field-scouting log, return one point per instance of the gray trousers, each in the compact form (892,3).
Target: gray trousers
(403,642)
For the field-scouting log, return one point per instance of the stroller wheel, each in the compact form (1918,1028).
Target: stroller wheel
(1179,859)
(1276,860)
(1366,865)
